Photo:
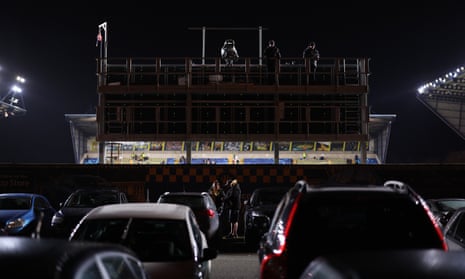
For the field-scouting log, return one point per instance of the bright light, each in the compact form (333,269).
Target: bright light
(20,79)
(16,89)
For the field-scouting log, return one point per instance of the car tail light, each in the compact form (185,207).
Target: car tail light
(208,212)
(274,265)
(436,225)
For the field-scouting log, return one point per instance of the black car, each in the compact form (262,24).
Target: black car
(205,210)
(312,220)
(24,258)
(259,209)
(79,203)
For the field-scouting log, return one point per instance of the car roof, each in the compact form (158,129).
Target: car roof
(22,195)
(140,210)
(96,190)
(392,186)
(185,193)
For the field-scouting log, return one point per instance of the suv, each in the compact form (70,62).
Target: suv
(313,220)
(258,212)
(204,209)
(79,203)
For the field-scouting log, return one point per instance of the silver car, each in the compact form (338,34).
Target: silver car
(166,237)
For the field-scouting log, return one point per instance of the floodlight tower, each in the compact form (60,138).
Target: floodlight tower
(12,104)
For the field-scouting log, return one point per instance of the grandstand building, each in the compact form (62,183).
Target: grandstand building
(87,150)
(202,110)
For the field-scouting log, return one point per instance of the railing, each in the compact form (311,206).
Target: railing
(191,72)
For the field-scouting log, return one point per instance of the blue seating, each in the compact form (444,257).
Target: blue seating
(90,161)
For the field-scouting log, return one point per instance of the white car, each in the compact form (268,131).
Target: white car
(166,237)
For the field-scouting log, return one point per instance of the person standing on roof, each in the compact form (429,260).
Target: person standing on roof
(311,56)
(272,57)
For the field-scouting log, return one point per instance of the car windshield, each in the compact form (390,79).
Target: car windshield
(153,240)
(93,199)
(15,203)
(450,205)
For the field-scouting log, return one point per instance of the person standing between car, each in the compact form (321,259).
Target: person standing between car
(311,56)
(217,194)
(233,200)
(272,56)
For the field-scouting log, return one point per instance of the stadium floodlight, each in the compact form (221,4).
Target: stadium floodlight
(20,79)
(12,104)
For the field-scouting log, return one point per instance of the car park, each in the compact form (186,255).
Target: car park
(25,214)
(165,237)
(79,203)
(204,209)
(259,209)
(407,264)
(443,208)
(316,219)
(25,258)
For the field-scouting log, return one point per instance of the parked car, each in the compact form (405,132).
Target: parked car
(79,203)
(25,214)
(443,208)
(259,209)
(318,219)
(25,258)
(406,264)
(204,209)
(454,230)
(166,237)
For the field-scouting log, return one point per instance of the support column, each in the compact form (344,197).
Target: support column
(276,152)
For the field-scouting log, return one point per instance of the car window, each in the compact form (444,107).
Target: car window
(151,239)
(398,222)
(449,205)
(457,229)
(15,203)
(93,199)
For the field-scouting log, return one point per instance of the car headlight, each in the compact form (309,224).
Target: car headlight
(15,224)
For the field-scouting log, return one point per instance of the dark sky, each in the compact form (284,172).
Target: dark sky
(54,49)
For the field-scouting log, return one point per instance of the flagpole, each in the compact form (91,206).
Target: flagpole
(104,46)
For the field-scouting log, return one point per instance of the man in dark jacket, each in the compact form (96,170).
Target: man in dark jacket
(233,200)
(271,55)
(311,56)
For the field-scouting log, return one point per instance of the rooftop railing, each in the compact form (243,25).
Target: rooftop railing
(192,72)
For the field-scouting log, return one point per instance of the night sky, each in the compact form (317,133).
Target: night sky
(54,49)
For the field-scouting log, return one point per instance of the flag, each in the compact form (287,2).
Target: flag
(99,38)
